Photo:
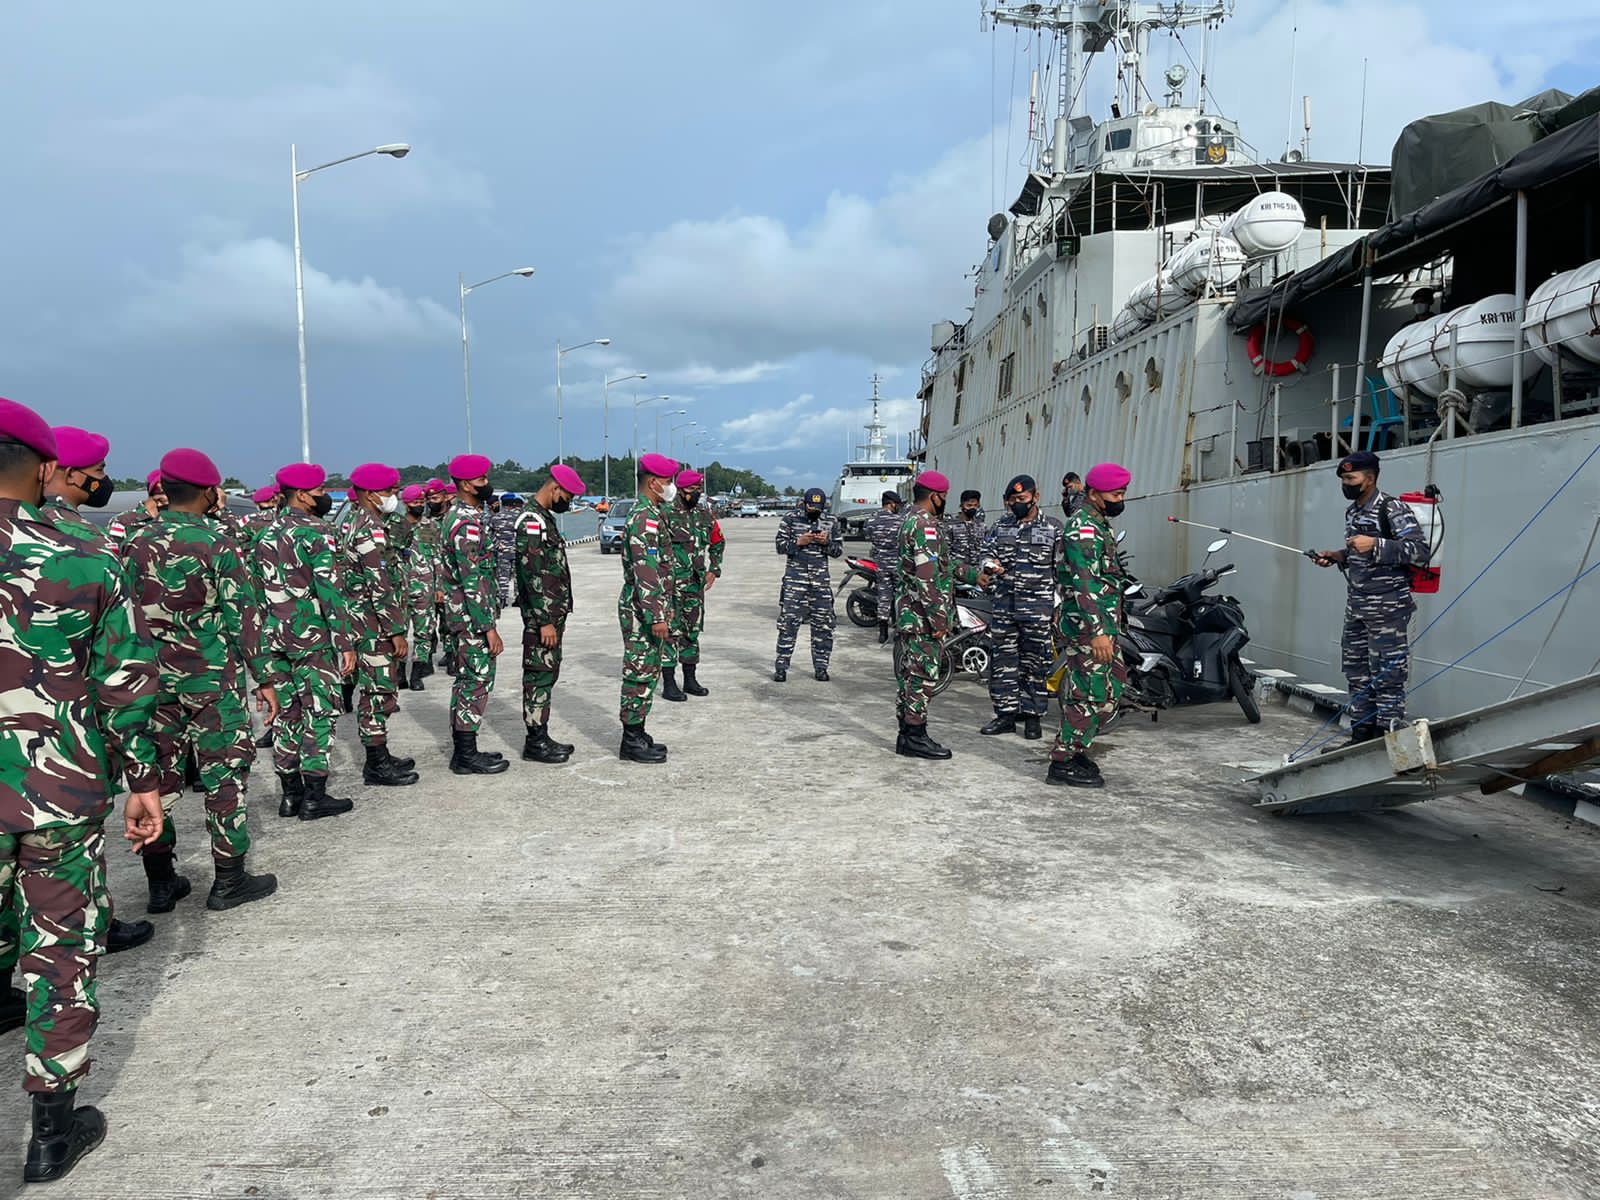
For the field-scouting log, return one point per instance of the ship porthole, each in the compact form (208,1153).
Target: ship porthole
(1152,375)
(1087,399)
(1123,386)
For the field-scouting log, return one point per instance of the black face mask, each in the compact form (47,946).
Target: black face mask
(813,514)
(1021,509)
(414,510)
(1352,491)
(561,505)
(969,514)
(488,496)
(321,505)
(97,489)
(436,507)
(1114,508)
(690,499)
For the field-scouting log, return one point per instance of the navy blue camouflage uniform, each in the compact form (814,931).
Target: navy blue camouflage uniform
(805,595)
(1024,612)
(1375,647)
(883,531)
(964,539)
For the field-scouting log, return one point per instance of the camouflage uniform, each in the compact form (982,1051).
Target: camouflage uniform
(77,692)
(308,629)
(253,531)
(370,570)
(125,523)
(925,579)
(422,581)
(965,539)
(504,525)
(697,552)
(1375,651)
(1024,612)
(804,595)
(544,593)
(467,580)
(1092,582)
(201,611)
(647,599)
(883,531)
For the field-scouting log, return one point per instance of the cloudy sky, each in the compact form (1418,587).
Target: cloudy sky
(761,204)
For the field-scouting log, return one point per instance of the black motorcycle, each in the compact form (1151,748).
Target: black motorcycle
(862,606)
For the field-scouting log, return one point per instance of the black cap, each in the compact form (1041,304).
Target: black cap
(814,498)
(1359,460)
(1022,483)
(890,498)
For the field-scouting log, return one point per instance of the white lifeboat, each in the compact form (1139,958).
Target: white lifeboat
(1211,261)
(1269,224)
(1564,311)
(1126,324)
(1407,363)
(1486,332)
(1152,296)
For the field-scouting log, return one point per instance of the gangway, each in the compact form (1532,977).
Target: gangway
(1487,750)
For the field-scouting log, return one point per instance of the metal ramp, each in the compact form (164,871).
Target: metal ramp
(1487,750)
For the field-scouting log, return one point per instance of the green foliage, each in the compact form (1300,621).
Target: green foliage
(512,476)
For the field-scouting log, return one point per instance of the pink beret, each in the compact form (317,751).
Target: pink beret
(189,466)
(153,480)
(1107,477)
(262,495)
(301,477)
(374,477)
(687,478)
(449,489)
(412,494)
(433,485)
(470,466)
(20,423)
(78,448)
(567,479)
(933,481)
(658,465)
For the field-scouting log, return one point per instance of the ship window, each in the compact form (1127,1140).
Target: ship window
(1043,311)
(1044,411)
(1008,366)
(1152,375)
(1002,435)
(955,418)
(1087,399)
(1123,385)
(1119,139)
(1027,425)
(978,442)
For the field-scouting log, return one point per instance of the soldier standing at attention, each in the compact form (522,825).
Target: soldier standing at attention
(925,580)
(377,618)
(506,514)
(254,529)
(1382,543)
(883,532)
(470,607)
(1027,545)
(310,639)
(544,592)
(77,690)
(697,552)
(447,637)
(206,627)
(809,538)
(1092,584)
(965,533)
(645,606)
(421,569)
(145,510)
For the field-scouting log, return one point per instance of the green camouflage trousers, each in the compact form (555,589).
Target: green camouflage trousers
(688,619)
(54,913)
(918,673)
(642,658)
(422,619)
(1089,695)
(541,667)
(469,691)
(216,728)
(310,700)
(375,676)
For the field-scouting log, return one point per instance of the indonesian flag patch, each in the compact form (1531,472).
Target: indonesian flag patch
(651,526)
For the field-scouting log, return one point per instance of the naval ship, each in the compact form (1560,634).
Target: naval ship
(875,469)
(1226,326)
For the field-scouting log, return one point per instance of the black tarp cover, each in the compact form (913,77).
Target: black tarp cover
(1439,153)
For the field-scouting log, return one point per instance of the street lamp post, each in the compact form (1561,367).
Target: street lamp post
(605,425)
(673,432)
(466,371)
(635,448)
(296,176)
(561,416)
(676,412)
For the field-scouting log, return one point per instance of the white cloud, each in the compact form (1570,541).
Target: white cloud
(804,424)
(246,287)
(700,375)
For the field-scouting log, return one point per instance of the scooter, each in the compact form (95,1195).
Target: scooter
(862,606)
(967,648)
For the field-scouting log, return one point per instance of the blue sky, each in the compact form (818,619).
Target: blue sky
(760,204)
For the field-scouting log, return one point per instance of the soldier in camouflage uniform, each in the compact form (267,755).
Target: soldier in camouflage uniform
(146,510)
(447,637)
(697,553)
(470,595)
(925,579)
(203,618)
(1027,545)
(504,522)
(1092,583)
(544,593)
(310,638)
(808,537)
(883,532)
(965,532)
(77,690)
(372,569)
(255,528)
(421,586)
(1383,542)
(1071,495)
(645,605)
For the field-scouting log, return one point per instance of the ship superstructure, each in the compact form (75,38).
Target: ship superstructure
(875,469)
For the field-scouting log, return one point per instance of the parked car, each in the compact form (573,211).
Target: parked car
(749,510)
(611,527)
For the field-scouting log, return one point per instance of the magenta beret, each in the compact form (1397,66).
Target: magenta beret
(20,423)
(153,480)
(568,479)
(301,477)
(412,494)
(78,448)
(658,465)
(687,478)
(184,465)
(470,466)
(933,481)
(374,477)
(449,489)
(433,485)
(263,494)
(1107,477)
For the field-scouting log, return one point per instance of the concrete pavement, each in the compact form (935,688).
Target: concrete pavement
(791,964)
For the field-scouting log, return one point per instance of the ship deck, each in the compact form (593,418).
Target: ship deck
(790,964)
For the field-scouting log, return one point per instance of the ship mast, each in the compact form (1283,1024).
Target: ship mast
(874,449)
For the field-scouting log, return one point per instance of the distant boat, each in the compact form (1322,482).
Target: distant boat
(863,480)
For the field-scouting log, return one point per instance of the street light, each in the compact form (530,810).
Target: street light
(605,425)
(296,175)
(635,449)
(676,412)
(561,416)
(674,430)
(466,372)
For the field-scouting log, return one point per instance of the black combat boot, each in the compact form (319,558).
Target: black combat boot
(669,685)
(347,694)
(822,674)
(402,681)
(539,748)
(564,747)
(62,1135)
(167,887)
(1002,723)
(264,742)
(780,672)
(637,747)
(883,632)
(650,739)
(1030,727)
(13,1004)
(467,759)
(691,683)
(1076,771)
(915,743)
(900,737)
(294,791)
(125,935)
(384,770)
(420,670)
(234,886)
(401,764)
(317,804)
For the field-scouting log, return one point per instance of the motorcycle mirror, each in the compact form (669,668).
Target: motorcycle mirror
(1131,589)
(1218,545)
(1121,533)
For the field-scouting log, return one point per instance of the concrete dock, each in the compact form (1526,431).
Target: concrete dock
(791,964)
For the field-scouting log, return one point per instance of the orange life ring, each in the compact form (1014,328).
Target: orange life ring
(1255,347)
